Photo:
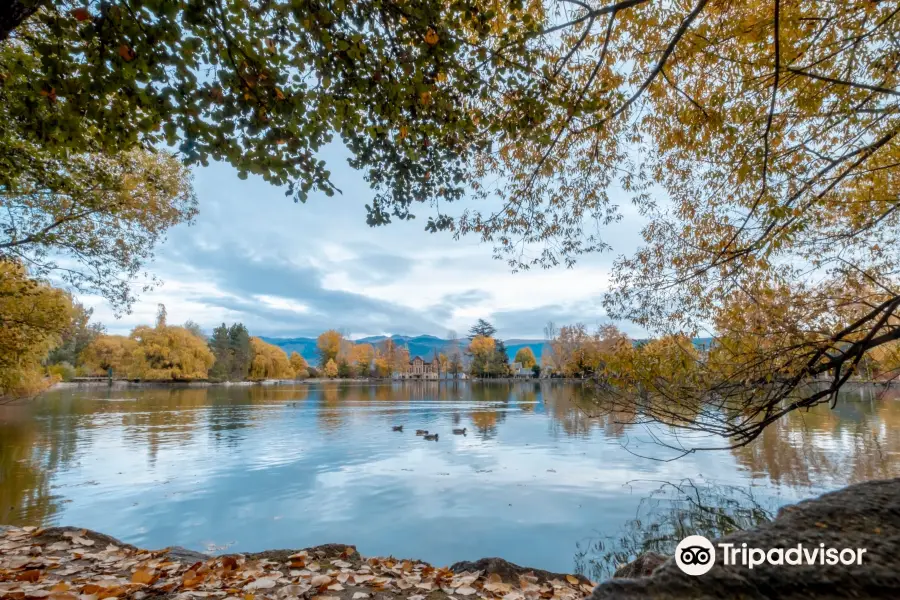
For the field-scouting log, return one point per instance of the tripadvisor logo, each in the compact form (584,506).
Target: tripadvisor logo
(696,555)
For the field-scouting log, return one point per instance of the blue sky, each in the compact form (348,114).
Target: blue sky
(288,270)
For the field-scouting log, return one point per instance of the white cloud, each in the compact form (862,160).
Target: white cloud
(253,255)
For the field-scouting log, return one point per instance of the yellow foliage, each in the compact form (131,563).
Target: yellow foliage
(269,362)
(331,369)
(328,345)
(481,346)
(361,357)
(167,353)
(33,316)
(526,357)
(109,351)
(298,364)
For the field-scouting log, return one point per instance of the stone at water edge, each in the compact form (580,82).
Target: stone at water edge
(865,515)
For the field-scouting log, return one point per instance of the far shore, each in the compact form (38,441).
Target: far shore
(125,383)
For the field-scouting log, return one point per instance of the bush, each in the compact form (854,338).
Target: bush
(62,371)
(314,372)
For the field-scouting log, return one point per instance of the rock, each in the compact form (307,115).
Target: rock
(323,552)
(642,566)
(508,572)
(866,515)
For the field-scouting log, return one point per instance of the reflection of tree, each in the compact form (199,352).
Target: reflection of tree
(799,449)
(665,517)
(331,414)
(25,497)
(577,410)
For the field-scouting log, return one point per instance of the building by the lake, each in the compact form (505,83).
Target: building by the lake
(419,368)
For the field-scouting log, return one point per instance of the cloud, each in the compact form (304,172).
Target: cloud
(288,269)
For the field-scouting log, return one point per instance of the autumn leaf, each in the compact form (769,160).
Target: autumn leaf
(126,53)
(431,37)
(80,14)
(572,579)
(142,576)
(425,98)
(31,575)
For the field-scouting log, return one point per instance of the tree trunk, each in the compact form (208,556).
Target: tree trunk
(13,12)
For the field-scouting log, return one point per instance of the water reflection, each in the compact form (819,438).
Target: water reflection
(292,466)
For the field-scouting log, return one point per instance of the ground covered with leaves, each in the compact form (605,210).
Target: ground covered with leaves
(71,564)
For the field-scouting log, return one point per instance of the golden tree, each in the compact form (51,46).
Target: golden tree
(109,352)
(169,353)
(526,357)
(33,317)
(298,364)
(329,345)
(758,139)
(361,357)
(269,361)
(331,369)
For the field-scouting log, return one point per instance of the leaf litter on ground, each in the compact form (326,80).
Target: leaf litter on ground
(80,567)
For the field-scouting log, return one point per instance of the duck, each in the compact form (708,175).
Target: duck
(432,437)
(421,432)
(397,428)
(459,431)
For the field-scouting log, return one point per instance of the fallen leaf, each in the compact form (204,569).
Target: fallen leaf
(336,587)
(31,575)
(60,587)
(341,564)
(142,576)
(464,591)
(263,583)
(572,579)
(359,595)
(320,580)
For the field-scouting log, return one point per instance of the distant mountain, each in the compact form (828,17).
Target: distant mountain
(424,345)
(420,345)
(305,347)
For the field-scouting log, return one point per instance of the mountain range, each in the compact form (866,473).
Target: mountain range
(421,345)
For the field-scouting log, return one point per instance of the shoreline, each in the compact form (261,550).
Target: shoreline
(126,383)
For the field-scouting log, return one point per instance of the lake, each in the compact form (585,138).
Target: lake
(535,480)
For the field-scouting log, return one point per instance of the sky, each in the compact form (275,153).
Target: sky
(289,270)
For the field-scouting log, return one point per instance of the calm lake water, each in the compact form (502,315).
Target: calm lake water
(535,480)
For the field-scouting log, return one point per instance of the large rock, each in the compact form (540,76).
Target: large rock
(866,515)
(509,572)
(642,566)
